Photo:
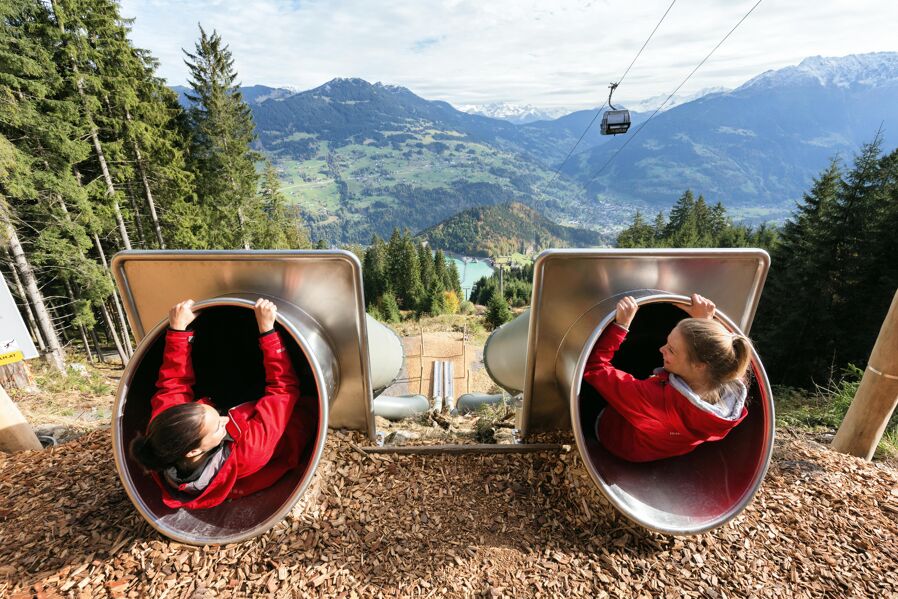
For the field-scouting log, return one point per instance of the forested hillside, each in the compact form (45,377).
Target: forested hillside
(97,156)
(505,229)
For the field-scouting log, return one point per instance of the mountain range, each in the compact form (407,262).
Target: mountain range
(359,158)
(755,148)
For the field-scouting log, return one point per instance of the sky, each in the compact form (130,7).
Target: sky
(551,54)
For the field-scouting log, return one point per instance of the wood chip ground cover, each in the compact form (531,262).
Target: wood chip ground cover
(527,525)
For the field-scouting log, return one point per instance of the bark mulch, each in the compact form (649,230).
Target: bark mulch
(520,525)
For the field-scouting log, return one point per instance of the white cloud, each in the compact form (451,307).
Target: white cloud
(522,51)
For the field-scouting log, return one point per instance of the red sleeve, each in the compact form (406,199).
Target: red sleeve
(273,410)
(175,383)
(636,400)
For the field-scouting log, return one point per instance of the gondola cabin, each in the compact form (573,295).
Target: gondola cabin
(615,122)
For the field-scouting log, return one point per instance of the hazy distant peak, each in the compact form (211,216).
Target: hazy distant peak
(652,104)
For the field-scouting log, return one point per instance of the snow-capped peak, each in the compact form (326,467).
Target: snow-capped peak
(515,113)
(855,69)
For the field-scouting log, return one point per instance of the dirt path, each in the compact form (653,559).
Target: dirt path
(527,525)
(470,375)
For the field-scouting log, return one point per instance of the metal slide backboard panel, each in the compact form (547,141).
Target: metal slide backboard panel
(570,282)
(326,284)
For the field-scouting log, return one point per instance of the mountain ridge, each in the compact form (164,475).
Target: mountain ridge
(503,229)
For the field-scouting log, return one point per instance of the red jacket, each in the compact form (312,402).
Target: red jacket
(268,434)
(647,419)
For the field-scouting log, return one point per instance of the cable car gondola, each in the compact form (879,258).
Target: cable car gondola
(614,121)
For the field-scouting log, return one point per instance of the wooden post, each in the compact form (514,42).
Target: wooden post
(877,395)
(421,380)
(16,376)
(15,432)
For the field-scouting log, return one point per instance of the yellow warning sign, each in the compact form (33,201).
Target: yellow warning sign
(8,357)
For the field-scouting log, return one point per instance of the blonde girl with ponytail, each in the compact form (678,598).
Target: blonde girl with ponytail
(697,396)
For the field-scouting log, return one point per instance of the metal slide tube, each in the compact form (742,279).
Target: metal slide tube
(505,353)
(385,354)
(687,494)
(684,495)
(224,346)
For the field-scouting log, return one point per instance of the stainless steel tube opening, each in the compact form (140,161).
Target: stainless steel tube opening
(687,494)
(229,369)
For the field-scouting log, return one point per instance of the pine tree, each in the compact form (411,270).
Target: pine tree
(681,231)
(435,300)
(426,261)
(794,324)
(85,27)
(638,235)
(389,310)
(374,270)
(454,278)
(441,270)
(220,155)
(498,312)
(277,229)
(405,271)
(860,207)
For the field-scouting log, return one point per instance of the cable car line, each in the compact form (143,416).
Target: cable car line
(621,80)
(646,122)
(599,109)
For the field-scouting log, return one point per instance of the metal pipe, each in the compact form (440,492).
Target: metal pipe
(471,402)
(397,408)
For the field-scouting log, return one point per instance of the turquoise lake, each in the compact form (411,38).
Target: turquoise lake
(470,272)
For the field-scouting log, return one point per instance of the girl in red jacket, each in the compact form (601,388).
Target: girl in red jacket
(698,396)
(198,457)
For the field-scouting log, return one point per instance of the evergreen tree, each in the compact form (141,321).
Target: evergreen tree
(659,226)
(388,308)
(498,312)
(794,320)
(220,155)
(441,271)
(454,278)
(374,271)
(405,272)
(277,229)
(639,235)
(435,300)
(426,260)
(861,206)
(682,230)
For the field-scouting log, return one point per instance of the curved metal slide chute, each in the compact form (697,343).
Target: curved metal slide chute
(321,317)
(574,297)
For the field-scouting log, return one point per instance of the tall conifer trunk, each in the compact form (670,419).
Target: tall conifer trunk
(115,299)
(151,204)
(82,330)
(95,140)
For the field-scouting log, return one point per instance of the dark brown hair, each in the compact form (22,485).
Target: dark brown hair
(726,354)
(171,434)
